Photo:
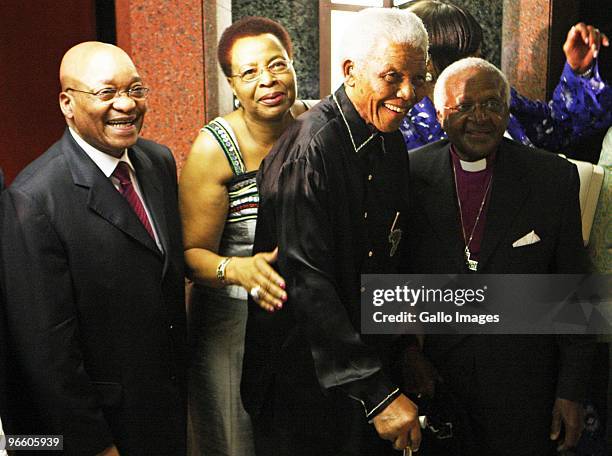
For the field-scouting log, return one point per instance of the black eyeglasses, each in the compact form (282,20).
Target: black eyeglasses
(108,94)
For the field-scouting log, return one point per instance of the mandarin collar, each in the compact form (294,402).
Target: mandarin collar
(359,130)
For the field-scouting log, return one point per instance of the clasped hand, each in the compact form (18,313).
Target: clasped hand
(399,423)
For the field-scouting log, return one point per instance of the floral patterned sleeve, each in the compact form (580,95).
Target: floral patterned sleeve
(580,106)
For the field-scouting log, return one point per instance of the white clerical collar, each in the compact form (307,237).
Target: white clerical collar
(475,166)
(107,163)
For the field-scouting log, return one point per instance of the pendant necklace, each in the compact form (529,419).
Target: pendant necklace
(471,264)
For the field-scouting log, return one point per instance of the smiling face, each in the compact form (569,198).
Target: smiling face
(108,126)
(382,87)
(272,95)
(476,134)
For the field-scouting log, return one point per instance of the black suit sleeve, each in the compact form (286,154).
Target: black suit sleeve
(577,351)
(44,325)
(3,339)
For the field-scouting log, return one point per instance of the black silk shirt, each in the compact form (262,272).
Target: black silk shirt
(330,210)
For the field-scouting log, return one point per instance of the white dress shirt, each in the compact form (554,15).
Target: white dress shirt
(107,164)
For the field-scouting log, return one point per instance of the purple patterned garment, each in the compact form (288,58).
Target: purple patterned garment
(580,107)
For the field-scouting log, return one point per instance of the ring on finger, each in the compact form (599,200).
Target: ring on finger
(255,292)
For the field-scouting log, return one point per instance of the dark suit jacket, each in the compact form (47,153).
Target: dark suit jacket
(506,379)
(3,340)
(95,311)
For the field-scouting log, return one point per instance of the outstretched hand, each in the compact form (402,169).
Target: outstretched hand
(259,279)
(582,46)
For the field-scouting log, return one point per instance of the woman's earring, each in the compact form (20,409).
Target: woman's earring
(428,77)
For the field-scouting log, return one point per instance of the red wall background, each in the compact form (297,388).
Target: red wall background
(34,35)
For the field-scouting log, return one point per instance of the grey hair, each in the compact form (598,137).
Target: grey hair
(460,66)
(369,26)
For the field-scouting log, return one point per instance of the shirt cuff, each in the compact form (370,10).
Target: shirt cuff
(374,392)
(382,405)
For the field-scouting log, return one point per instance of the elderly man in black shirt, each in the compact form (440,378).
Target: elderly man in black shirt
(333,198)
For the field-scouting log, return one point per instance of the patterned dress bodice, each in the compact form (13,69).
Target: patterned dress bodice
(239,231)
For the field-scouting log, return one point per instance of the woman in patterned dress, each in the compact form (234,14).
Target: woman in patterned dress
(218,201)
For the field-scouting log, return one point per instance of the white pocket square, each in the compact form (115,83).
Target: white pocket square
(528,239)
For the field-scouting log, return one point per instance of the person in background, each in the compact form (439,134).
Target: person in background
(333,198)
(92,265)
(581,103)
(219,201)
(482,204)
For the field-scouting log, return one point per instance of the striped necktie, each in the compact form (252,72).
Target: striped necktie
(126,188)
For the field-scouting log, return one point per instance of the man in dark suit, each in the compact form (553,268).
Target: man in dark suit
(483,204)
(93,270)
(3,342)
